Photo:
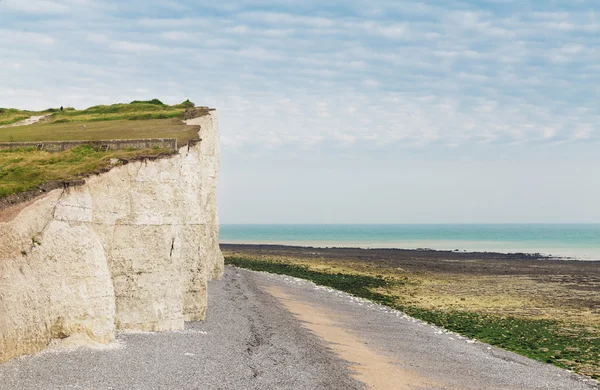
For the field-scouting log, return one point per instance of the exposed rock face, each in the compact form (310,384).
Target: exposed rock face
(130,249)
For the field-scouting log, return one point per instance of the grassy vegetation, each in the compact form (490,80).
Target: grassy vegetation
(101,130)
(138,119)
(9,116)
(136,110)
(25,169)
(564,343)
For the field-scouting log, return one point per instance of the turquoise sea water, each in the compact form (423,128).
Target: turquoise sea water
(581,241)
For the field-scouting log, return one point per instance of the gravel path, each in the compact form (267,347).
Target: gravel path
(274,332)
(29,121)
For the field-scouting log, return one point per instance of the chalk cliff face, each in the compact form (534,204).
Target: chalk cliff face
(132,248)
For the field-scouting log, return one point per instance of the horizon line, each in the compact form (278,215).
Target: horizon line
(405,223)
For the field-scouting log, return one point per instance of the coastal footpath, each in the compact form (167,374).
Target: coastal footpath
(129,249)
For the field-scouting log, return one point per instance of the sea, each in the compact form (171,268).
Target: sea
(561,241)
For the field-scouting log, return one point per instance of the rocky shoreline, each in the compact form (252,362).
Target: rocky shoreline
(434,260)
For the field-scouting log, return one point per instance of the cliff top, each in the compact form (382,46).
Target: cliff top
(138,119)
(26,171)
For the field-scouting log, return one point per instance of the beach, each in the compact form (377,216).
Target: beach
(267,331)
(560,297)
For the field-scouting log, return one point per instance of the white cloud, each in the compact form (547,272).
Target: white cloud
(35,6)
(17,38)
(281,18)
(98,38)
(382,73)
(239,29)
(177,35)
(259,53)
(135,47)
(370,83)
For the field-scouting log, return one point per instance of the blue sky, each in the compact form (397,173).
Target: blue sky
(346,111)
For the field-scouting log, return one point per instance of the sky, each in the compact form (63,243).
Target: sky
(378,111)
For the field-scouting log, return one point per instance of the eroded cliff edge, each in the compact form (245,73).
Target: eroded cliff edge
(132,248)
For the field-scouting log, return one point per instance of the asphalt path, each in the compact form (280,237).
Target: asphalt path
(274,332)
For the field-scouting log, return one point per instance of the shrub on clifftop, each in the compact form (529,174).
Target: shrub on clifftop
(153,101)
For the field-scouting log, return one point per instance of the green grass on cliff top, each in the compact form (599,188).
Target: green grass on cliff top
(26,169)
(138,119)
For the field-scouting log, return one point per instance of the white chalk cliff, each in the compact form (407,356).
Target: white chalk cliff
(132,249)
